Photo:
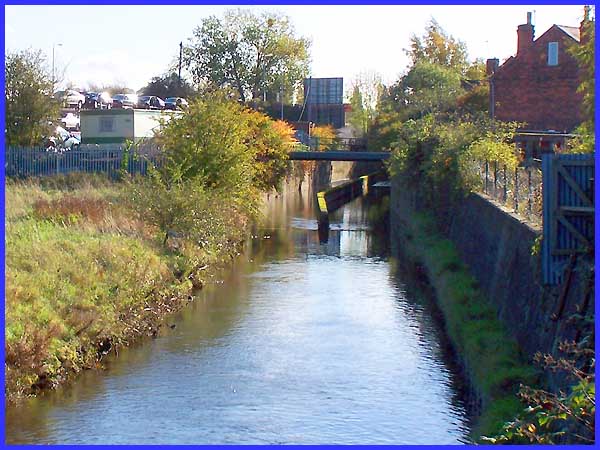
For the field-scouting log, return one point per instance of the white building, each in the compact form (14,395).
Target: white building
(115,126)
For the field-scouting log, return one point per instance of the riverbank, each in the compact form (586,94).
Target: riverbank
(85,276)
(491,359)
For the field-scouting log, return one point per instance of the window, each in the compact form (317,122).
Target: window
(107,124)
(553,53)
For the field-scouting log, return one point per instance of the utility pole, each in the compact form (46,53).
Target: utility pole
(179,74)
(281,99)
(53,75)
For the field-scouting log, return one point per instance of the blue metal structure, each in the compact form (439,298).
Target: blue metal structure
(568,211)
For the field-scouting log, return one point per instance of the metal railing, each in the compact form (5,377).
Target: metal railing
(519,189)
(341,144)
(110,159)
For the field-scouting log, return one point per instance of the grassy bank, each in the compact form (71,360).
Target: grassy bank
(85,275)
(490,357)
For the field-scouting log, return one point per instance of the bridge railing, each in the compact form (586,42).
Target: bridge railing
(519,189)
(336,144)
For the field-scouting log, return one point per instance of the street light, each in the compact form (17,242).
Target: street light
(53,76)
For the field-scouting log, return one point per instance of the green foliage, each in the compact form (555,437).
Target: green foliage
(82,268)
(584,54)
(186,210)
(271,141)
(438,48)
(27,95)
(167,85)
(434,120)
(429,87)
(209,144)
(366,91)
(358,116)
(495,145)
(551,418)
(114,88)
(250,54)
(490,356)
(223,146)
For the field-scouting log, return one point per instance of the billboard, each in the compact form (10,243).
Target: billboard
(324,91)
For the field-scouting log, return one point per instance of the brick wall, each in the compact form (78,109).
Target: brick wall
(527,89)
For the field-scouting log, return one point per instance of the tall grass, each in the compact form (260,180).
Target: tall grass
(85,274)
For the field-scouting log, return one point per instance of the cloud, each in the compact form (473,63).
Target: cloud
(118,66)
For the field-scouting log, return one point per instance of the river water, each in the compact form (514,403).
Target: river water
(300,343)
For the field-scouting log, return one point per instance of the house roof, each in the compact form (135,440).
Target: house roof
(571,31)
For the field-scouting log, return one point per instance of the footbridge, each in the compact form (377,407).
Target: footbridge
(337,150)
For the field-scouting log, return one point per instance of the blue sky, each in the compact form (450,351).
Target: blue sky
(131,44)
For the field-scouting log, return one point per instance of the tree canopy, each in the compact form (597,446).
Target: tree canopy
(585,57)
(247,53)
(167,85)
(27,93)
(437,47)
(366,91)
(223,146)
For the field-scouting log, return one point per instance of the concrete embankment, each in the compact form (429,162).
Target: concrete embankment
(499,248)
(487,259)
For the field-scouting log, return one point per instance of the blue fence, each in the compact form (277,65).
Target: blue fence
(111,160)
(568,212)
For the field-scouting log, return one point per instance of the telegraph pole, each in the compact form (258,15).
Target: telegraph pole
(179,74)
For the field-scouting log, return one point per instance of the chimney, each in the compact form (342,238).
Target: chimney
(524,35)
(491,65)
(583,38)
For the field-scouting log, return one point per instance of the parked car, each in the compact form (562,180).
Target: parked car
(95,100)
(62,140)
(70,98)
(151,102)
(125,101)
(176,103)
(71,122)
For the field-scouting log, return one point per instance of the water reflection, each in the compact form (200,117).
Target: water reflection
(301,342)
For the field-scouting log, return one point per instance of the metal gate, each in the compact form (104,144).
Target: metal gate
(568,211)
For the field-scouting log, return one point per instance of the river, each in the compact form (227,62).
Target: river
(299,343)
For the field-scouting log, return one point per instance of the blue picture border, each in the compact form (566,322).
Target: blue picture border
(271,3)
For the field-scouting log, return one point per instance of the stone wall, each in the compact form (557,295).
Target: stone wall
(497,247)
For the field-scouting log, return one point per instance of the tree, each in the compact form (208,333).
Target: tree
(118,87)
(429,87)
(366,91)
(437,47)
(27,93)
(167,85)
(357,116)
(251,54)
(218,157)
(584,55)
(224,146)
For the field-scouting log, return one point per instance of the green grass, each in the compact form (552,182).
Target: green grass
(84,273)
(489,354)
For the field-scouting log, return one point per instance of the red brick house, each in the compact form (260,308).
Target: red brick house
(538,85)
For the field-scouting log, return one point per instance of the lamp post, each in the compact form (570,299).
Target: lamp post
(53,76)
